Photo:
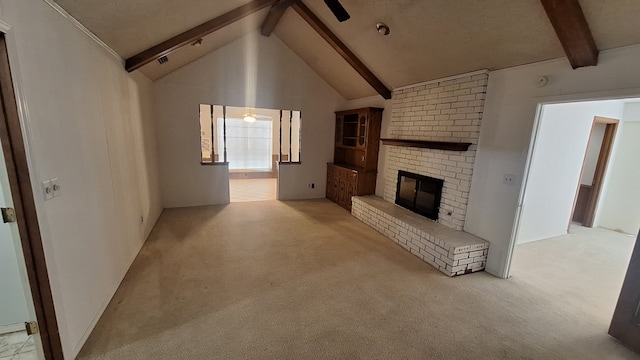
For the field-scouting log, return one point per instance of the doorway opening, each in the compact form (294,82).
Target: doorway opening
(28,324)
(580,208)
(252,142)
(596,159)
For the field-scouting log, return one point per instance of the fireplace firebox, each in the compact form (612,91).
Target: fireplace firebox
(419,193)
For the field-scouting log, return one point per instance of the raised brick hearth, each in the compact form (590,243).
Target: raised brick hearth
(450,251)
(447,110)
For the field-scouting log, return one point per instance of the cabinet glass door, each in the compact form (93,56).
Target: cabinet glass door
(339,130)
(362,131)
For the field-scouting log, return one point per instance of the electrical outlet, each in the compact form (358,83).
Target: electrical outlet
(47,190)
(312,186)
(509,179)
(55,187)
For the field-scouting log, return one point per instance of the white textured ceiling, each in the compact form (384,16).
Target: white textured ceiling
(429,38)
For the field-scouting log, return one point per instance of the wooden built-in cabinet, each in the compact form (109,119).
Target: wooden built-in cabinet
(355,158)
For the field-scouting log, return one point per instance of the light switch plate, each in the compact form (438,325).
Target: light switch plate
(47,190)
(55,187)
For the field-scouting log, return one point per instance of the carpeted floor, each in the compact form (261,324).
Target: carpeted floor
(241,190)
(305,280)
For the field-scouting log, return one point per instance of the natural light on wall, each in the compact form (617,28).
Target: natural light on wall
(248,138)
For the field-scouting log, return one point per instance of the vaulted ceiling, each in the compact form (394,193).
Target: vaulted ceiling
(429,39)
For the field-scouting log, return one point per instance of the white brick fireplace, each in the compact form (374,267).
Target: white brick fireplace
(448,110)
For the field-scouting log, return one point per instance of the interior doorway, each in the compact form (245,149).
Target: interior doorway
(594,167)
(562,161)
(17,305)
(27,316)
(252,143)
(581,159)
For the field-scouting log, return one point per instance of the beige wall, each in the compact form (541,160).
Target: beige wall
(283,81)
(90,124)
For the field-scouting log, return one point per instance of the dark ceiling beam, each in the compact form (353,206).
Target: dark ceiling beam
(274,16)
(341,48)
(572,29)
(194,34)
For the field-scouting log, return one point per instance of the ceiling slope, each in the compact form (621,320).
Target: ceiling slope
(320,56)
(428,40)
(186,54)
(131,26)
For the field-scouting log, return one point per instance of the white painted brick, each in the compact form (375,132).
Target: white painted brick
(461,249)
(465,261)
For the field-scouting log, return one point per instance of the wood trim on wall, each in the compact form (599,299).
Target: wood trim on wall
(601,167)
(341,48)
(24,204)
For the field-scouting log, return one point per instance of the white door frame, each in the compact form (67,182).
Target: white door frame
(548,100)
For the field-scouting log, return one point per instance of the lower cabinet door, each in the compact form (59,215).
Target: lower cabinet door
(342,196)
(351,191)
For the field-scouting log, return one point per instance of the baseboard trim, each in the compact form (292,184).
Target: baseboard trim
(85,336)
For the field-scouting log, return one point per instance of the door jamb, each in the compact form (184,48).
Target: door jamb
(14,151)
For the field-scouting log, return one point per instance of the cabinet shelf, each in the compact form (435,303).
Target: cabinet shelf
(440,145)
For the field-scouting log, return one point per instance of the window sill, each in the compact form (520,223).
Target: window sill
(214,163)
(289,162)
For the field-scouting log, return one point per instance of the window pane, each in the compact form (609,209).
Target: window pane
(248,144)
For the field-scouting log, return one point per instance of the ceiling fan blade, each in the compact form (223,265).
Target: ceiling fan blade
(338,10)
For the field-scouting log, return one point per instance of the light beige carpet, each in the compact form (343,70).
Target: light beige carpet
(305,280)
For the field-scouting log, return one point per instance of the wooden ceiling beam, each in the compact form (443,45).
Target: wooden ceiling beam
(194,34)
(274,16)
(341,48)
(572,29)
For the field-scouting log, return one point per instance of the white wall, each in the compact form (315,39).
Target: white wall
(12,294)
(619,207)
(510,109)
(556,165)
(90,124)
(282,81)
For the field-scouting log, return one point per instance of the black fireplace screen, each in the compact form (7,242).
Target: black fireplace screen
(419,193)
